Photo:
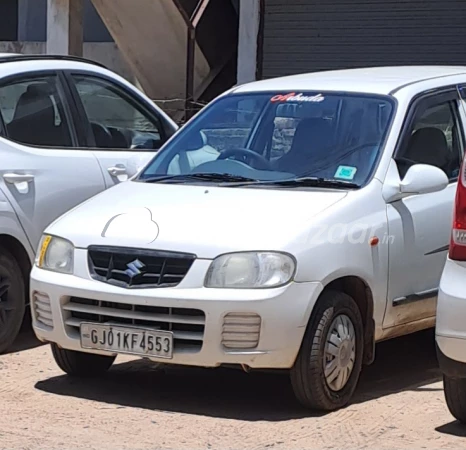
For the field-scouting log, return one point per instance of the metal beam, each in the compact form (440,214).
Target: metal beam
(182,11)
(190,65)
(191,23)
(199,12)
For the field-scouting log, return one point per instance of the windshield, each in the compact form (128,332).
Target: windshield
(279,136)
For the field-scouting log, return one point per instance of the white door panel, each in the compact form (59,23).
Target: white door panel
(420,225)
(43,184)
(421,235)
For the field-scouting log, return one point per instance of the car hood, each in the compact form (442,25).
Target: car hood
(204,220)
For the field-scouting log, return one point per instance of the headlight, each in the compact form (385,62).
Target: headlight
(55,254)
(250,270)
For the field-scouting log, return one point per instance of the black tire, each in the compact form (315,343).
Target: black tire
(455,396)
(80,364)
(12,299)
(307,375)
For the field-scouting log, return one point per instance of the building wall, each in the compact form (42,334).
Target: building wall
(313,35)
(8,20)
(26,20)
(249,24)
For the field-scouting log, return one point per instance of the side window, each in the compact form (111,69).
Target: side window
(116,118)
(33,112)
(435,139)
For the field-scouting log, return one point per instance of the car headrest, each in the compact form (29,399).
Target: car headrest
(36,100)
(311,133)
(428,146)
(194,141)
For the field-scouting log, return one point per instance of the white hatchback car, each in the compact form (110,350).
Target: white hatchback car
(69,129)
(314,224)
(451,310)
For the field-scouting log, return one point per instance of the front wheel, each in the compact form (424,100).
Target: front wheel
(455,396)
(12,299)
(327,369)
(80,364)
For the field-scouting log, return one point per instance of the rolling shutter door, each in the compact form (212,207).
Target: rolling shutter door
(313,35)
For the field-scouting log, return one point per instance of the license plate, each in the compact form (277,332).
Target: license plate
(133,341)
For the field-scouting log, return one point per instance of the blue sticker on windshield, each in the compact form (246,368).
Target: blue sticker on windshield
(346,172)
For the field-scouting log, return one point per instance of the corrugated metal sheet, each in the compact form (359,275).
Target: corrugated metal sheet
(313,35)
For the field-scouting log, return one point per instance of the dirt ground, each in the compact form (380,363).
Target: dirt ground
(399,404)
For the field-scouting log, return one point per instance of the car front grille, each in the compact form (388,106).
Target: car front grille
(186,324)
(138,268)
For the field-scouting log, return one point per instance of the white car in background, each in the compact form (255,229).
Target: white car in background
(69,129)
(316,224)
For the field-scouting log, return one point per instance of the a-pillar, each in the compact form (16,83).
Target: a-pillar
(65,27)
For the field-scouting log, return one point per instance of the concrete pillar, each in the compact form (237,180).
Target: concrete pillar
(65,27)
(32,20)
(249,21)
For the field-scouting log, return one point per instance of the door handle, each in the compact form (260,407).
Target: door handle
(19,180)
(18,177)
(118,169)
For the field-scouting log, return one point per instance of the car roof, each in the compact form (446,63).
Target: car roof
(13,63)
(373,80)
(6,58)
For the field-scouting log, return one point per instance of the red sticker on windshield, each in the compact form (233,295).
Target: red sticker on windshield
(292,97)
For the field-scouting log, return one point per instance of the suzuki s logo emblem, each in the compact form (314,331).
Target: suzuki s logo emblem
(134,268)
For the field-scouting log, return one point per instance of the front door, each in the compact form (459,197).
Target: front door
(124,131)
(420,225)
(41,173)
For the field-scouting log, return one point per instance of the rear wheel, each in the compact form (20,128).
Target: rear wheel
(81,364)
(327,369)
(455,396)
(12,299)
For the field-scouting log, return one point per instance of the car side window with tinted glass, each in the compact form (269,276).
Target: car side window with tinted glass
(33,112)
(116,118)
(435,138)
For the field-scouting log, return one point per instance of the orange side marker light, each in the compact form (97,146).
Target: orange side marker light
(374,241)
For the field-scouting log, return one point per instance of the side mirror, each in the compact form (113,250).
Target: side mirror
(423,179)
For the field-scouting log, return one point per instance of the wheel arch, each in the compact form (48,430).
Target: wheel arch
(358,289)
(19,252)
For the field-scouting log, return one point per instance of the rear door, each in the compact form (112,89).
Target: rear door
(42,172)
(124,130)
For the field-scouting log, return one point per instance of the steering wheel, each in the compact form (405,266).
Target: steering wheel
(245,154)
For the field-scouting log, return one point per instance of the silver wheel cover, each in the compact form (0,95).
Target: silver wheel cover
(340,353)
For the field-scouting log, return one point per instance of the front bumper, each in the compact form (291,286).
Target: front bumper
(451,320)
(284,313)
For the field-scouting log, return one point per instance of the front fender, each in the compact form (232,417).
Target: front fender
(11,226)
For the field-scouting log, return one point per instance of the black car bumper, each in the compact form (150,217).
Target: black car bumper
(450,367)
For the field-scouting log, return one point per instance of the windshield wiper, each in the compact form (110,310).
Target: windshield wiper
(240,181)
(213,177)
(305,182)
